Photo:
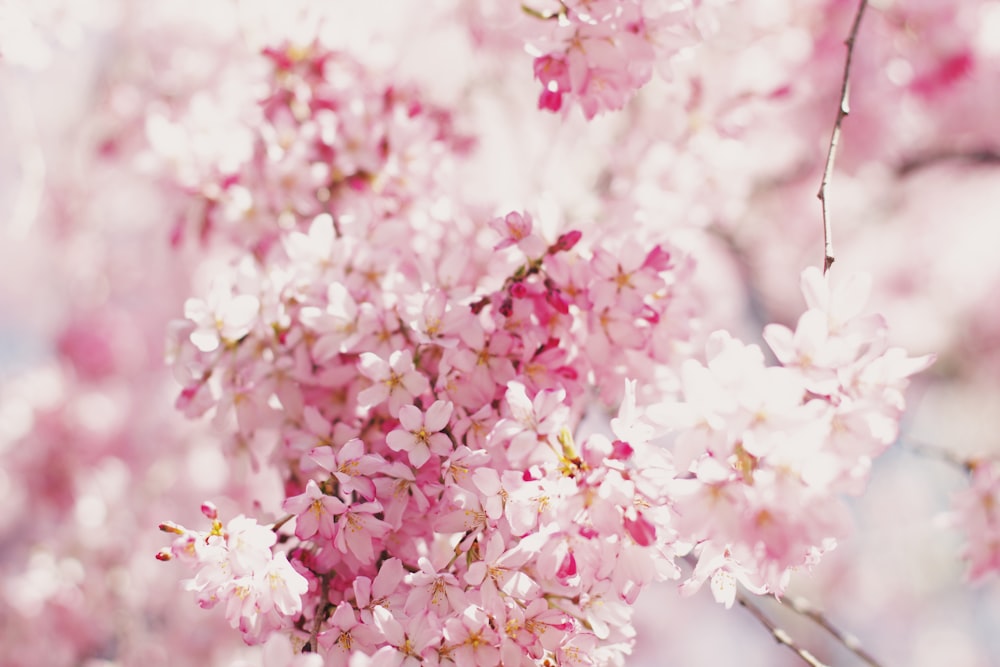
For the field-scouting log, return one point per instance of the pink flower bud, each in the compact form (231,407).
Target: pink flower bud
(568,567)
(550,100)
(209,510)
(557,301)
(566,241)
(171,527)
(658,259)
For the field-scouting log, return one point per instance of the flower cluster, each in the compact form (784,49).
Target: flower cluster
(419,405)
(454,404)
(977,515)
(236,564)
(328,137)
(598,54)
(771,449)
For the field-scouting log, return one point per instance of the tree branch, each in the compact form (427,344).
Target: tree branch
(803,607)
(931,452)
(975,156)
(842,111)
(779,635)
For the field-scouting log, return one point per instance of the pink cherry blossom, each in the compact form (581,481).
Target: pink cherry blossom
(316,512)
(395,380)
(420,433)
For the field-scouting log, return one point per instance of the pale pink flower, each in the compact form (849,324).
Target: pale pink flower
(346,635)
(463,511)
(281,587)
(435,321)
(484,363)
(716,564)
(434,588)
(530,630)
(473,429)
(384,591)
(357,528)
(401,493)
(473,642)
(340,325)
(530,421)
(420,433)
(313,249)
(517,229)
(405,646)
(352,467)
(222,319)
(315,512)
(395,380)
(499,570)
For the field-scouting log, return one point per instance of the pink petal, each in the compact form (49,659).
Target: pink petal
(438,415)
(411,418)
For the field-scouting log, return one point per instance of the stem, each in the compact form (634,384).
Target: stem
(976,157)
(534,13)
(321,611)
(779,635)
(281,522)
(803,607)
(940,454)
(843,110)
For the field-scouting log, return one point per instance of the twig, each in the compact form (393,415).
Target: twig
(975,156)
(281,522)
(779,635)
(322,609)
(929,451)
(842,110)
(803,607)
(534,13)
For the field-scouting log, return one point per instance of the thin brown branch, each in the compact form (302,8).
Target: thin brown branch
(322,609)
(843,110)
(534,13)
(933,452)
(779,635)
(975,156)
(803,607)
(281,522)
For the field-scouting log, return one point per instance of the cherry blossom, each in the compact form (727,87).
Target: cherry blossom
(395,380)
(420,434)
